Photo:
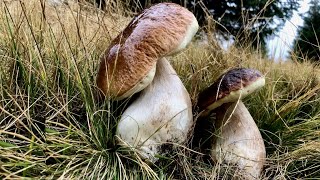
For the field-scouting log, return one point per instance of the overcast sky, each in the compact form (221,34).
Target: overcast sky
(280,45)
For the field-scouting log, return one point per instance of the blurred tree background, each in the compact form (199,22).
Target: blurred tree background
(307,45)
(246,22)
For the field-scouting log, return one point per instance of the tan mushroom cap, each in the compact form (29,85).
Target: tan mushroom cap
(129,63)
(231,86)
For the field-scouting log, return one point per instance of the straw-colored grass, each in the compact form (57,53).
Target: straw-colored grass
(48,62)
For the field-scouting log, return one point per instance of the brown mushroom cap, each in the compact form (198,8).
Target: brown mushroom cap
(128,65)
(231,86)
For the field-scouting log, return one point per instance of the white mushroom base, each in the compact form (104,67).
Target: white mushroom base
(239,142)
(161,114)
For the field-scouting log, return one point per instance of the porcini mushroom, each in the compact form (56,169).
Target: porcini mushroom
(135,61)
(162,113)
(239,140)
(129,64)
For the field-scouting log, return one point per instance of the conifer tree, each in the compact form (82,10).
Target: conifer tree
(307,43)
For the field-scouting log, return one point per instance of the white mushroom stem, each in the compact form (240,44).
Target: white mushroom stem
(162,113)
(239,140)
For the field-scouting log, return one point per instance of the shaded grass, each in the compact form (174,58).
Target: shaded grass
(53,127)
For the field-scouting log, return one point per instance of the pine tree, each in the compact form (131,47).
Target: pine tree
(307,43)
(247,21)
(250,22)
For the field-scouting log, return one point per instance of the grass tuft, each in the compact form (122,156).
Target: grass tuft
(53,127)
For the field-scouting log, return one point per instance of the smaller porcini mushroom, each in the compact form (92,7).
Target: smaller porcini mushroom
(129,64)
(161,114)
(239,141)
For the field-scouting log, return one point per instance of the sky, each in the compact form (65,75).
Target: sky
(280,45)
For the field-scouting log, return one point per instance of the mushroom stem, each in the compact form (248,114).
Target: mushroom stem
(161,114)
(239,140)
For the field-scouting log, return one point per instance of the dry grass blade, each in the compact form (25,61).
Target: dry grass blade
(52,127)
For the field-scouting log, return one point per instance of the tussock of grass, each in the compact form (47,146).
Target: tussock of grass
(52,126)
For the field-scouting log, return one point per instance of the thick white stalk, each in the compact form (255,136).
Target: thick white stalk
(239,140)
(161,114)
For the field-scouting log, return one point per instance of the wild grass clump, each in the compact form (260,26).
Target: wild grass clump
(52,126)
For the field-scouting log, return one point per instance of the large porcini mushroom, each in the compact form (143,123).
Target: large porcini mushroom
(239,140)
(129,64)
(162,113)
